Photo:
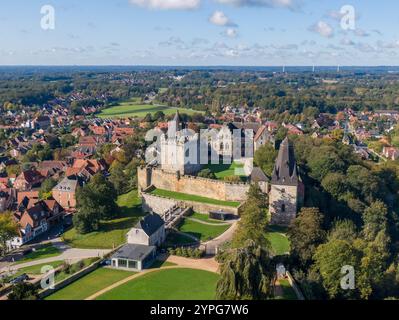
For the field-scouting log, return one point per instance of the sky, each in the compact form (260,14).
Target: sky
(200,32)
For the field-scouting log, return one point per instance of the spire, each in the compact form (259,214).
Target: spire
(285,171)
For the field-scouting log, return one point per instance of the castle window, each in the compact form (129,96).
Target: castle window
(187,152)
(283,208)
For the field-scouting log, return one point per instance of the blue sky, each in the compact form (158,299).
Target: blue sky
(199,32)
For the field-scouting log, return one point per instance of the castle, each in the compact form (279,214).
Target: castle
(179,162)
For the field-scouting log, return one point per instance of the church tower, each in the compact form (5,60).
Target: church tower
(286,192)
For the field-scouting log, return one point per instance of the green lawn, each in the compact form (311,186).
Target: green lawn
(189,197)
(278,240)
(37,269)
(74,268)
(222,171)
(44,252)
(112,233)
(202,231)
(205,218)
(134,108)
(90,284)
(288,291)
(173,284)
(176,239)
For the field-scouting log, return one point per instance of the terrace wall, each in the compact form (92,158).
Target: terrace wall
(214,189)
(159,205)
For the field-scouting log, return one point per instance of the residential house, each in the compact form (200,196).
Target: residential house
(28,180)
(35,220)
(65,192)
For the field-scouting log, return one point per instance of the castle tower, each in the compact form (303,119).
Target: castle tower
(286,187)
(178,150)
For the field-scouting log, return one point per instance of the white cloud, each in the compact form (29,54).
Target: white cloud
(220,19)
(290,4)
(167,4)
(231,33)
(323,28)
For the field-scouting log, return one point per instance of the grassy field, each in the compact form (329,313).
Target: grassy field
(176,239)
(173,284)
(44,252)
(202,231)
(134,108)
(223,171)
(205,218)
(278,240)
(112,233)
(37,269)
(90,284)
(189,197)
(288,292)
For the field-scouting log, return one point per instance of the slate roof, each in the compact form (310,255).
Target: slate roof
(285,170)
(257,175)
(67,185)
(150,223)
(136,252)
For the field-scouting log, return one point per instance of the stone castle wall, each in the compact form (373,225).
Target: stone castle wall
(159,205)
(283,204)
(209,188)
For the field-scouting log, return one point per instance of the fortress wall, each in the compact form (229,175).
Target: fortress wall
(159,205)
(209,188)
(156,204)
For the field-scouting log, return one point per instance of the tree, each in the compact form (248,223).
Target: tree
(253,223)
(46,188)
(375,220)
(334,183)
(94,201)
(306,234)
(324,160)
(23,291)
(8,230)
(265,158)
(343,230)
(118,178)
(329,259)
(206,173)
(247,273)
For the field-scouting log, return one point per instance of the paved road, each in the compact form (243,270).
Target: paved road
(69,254)
(212,245)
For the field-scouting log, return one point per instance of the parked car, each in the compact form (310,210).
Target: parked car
(20,279)
(106,262)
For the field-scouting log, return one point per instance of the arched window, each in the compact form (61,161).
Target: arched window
(283,208)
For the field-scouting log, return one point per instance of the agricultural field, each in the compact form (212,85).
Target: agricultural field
(169,284)
(134,108)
